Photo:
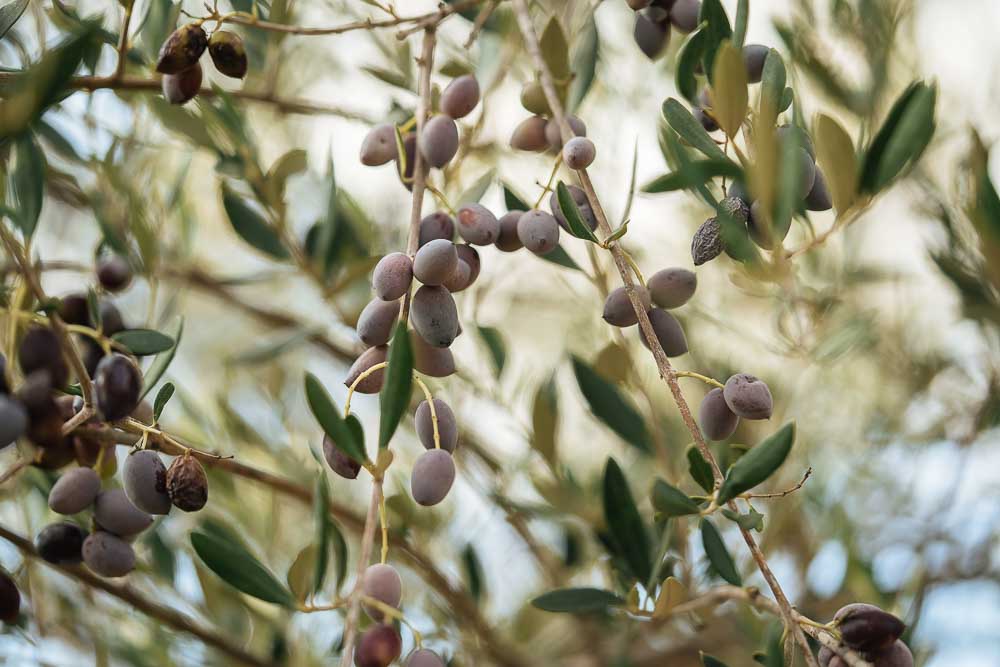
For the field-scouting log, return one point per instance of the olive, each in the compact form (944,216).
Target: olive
(75,491)
(182,87)
(182,49)
(118,383)
(61,543)
(228,53)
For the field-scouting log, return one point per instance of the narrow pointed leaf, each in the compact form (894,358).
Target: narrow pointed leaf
(717,553)
(394,398)
(162,396)
(700,469)
(690,130)
(625,523)
(141,342)
(838,161)
(577,227)
(729,88)
(610,406)
(251,225)
(688,60)
(902,138)
(577,600)
(237,567)
(758,464)
(670,501)
(328,416)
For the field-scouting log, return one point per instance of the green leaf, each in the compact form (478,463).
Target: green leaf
(772,87)
(494,342)
(700,469)
(394,398)
(555,50)
(729,88)
(237,567)
(329,419)
(545,420)
(610,406)
(162,361)
(26,183)
(473,572)
(902,138)
(586,53)
(631,192)
(300,575)
(690,130)
(671,501)
(688,60)
(717,29)
(624,522)
(322,521)
(251,226)
(740,24)
(142,342)
(559,256)
(577,227)
(10,13)
(694,173)
(292,162)
(837,160)
(717,553)
(577,600)
(162,396)
(476,191)
(710,661)
(758,464)
(512,200)
(753,520)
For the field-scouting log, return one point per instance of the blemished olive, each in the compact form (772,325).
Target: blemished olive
(118,383)
(469,255)
(684,15)
(706,244)
(114,272)
(508,240)
(115,513)
(377,320)
(582,203)
(378,646)
(754,56)
(447,425)
(392,276)
(13,421)
(183,86)
(61,543)
(818,198)
(339,462)
(529,135)
(651,33)
(144,477)
(538,231)
(432,477)
(668,331)
(533,99)
(717,421)
(460,279)
(618,310)
(182,49)
(372,383)
(424,658)
(437,225)
(553,133)
(381,582)
(436,362)
(40,351)
(439,140)
(434,315)
(187,484)
(435,262)
(748,397)
(579,153)
(379,146)
(10,598)
(869,629)
(460,96)
(672,288)
(228,53)
(738,190)
(108,555)
(477,225)
(75,491)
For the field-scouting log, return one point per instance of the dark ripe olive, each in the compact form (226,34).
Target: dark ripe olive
(827,658)
(228,53)
(582,203)
(651,33)
(10,598)
(434,315)
(579,153)
(424,658)
(144,477)
(684,15)
(897,655)
(446,423)
(378,647)
(738,190)
(668,331)
(618,310)
(707,120)
(115,513)
(477,224)
(707,242)
(436,362)
(379,146)
(182,87)
(40,351)
(13,421)
(553,133)
(381,582)
(73,309)
(143,412)
(114,272)
(508,240)
(529,135)
(182,49)
(187,484)
(75,491)
(538,231)
(754,56)
(469,255)
(108,555)
(869,630)
(61,543)
(818,198)
(460,279)
(439,140)
(377,320)
(392,276)
(533,99)
(636,5)
(339,462)
(372,383)
(437,225)
(672,288)
(92,353)
(748,397)
(118,383)
(435,262)
(460,96)
(760,228)
(111,318)
(717,421)
(797,134)
(432,477)
(807,172)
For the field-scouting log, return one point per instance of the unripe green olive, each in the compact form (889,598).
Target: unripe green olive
(529,135)
(379,146)
(228,53)
(61,543)
(182,87)
(477,225)
(508,240)
(381,582)
(392,276)
(435,262)
(108,555)
(182,49)
(672,288)
(75,491)
(446,423)
(618,310)
(748,396)
(439,140)
(579,153)
(432,477)
(377,321)
(533,99)
(144,477)
(434,315)
(460,96)
(372,383)
(115,513)
(668,331)
(717,421)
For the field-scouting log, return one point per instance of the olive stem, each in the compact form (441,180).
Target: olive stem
(358,380)
(632,264)
(354,606)
(123,41)
(699,376)
(430,403)
(781,494)
(547,188)
(392,612)
(384,523)
(484,15)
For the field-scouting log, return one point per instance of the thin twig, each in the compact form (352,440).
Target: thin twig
(123,41)
(781,494)
(354,610)
(484,15)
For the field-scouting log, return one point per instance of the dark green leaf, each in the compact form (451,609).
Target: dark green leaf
(10,13)
(142,342)
(162,396)
(162,361)
(740,24)
(329,419)
(251,225)
(559,256)
(394,398)
(237,567)
(902,138)
(631,192)
(624,522)
(473,572)
(688,60)
(610,406)
(695,173)
(700,469)
(26,183)
(577,600)
(717,553)
(577,227)
(494,342)
(690,130)
(586,53)
(512,200)
(717,29)
(322,521)
(758,464)
(670,501)
(772,85)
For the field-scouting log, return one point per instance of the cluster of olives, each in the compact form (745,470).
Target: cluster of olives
(871,632)
(665,289)
(381,644)
(541,132)
(655,18)
(439,137)
(179,55)
(743,396)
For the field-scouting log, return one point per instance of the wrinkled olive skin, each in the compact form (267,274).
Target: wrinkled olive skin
(187,484)
(182,49)
(228,53)
(706,244)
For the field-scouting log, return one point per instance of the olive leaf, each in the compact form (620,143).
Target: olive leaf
(672,593)
(688,60)
(10,13)
(717,29)
(394,398)
(577,227)
(494,343)
(230,560)
(690,130)
(758,464)
(300,574)
(251,225)
(512,200)
(162,396)
(558,255)
(729,88)
(586,52)
(693,174)
(478,188)
(555,50)
(577,600)
(902,138)
(328,416)
(740,23)
(670,501)
(624,523)
(837,158)
(142,342)
(26,183)
(610,406)
(545,420)
(700,469)
(717,553)
(772,87)
(473,572)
